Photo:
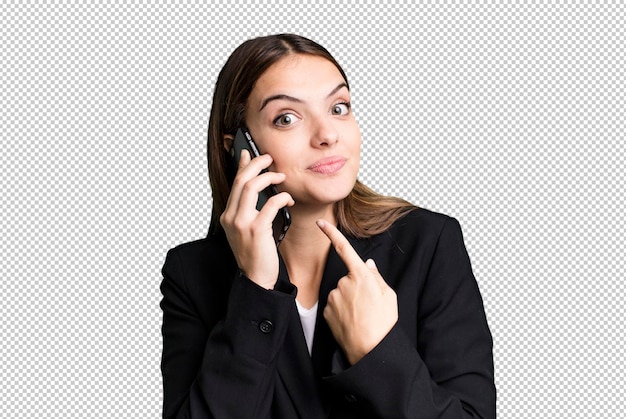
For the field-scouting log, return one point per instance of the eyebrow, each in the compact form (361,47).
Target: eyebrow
(295,99)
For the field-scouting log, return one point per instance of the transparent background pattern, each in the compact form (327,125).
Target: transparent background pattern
(509,117)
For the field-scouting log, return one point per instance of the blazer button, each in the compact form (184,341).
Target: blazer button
(266,326)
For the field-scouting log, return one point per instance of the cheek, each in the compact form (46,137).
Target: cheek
(288,153)
(355,145)
(283,160)
(355,134)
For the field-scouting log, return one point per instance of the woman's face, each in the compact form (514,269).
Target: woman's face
(299,113)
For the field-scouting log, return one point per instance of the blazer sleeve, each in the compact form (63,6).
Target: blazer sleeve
(449,373)
(227,371)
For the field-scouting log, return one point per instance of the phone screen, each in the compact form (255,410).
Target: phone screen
(243,140)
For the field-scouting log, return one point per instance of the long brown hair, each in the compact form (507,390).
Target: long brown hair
(363,213)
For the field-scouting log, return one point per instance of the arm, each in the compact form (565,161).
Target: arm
(227,371)
(225,367)
(450,372)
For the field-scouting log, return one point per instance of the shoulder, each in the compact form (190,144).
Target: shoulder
(421,231)
(422,223)
(202,258)
(423,217)
(212,247)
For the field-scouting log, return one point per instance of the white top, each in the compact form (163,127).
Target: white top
(308,316)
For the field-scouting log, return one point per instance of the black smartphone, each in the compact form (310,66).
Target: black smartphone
(243,141)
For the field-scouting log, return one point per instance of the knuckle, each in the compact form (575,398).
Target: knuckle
(392,295)
(225,219)
(276,202)
(256,229)
(238,182)
(272,202)
(238,224)
(327,312)
(332,297)
(342,285)
(247,187)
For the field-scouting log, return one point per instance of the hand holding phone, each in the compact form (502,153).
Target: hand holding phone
(243,141)
(251,233)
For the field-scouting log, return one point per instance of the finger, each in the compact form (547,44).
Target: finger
(247,171)
(250,192)
(244,158)
(249,168)
(344,249)
(273,205)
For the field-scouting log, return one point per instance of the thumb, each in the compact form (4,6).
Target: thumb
(372,267)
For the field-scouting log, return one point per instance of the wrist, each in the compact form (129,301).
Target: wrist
(262,280)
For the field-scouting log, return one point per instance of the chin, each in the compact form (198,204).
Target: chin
(321,191)
(327,196)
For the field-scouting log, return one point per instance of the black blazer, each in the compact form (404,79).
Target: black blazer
(232,349)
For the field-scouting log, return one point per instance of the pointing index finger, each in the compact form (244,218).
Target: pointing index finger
(343,247)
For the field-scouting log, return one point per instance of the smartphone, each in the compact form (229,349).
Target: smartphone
(243,141)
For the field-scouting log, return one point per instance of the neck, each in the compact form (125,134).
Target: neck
(304,235)
(305,249)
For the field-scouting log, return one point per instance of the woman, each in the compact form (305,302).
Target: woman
(368,308)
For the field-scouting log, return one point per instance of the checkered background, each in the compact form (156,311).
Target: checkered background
(508,117)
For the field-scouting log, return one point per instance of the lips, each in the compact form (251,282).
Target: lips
(328,165)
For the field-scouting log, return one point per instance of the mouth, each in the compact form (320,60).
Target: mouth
(328,165)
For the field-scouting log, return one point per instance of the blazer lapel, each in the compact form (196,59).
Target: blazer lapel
(324,344)
(295,368)
(299,372)
(296,372)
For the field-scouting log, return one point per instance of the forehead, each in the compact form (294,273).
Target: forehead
(297,72)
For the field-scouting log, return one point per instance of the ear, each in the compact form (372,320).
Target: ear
(228,142)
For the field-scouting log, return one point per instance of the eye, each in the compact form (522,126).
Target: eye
(341,109)
(285,120)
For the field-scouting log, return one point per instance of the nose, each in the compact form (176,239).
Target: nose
(325,133)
